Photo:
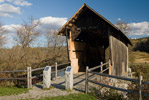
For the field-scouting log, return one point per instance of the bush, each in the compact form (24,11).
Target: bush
(141,68)
(144,70)
(142,46)
(108,95)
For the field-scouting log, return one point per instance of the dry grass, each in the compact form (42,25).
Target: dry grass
(136,55)
(139,57)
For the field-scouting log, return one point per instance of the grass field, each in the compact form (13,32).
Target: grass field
(80,96)
(139,51)
(139,57)
(11,90)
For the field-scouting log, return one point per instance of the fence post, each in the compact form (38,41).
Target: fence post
(86,80)
(55,70)
(29,77)
(101,68)
(110,67)
(140,87)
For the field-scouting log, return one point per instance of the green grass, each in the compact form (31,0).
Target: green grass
(80,96)
(11,90)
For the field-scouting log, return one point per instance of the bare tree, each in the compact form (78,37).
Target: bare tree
(124,27)
(2,37)
(55,44)
(27,33)
(53,39)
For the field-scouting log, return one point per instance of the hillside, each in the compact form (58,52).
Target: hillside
(139,52)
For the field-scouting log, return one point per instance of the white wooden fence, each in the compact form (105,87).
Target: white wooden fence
(139,81)
(29,71)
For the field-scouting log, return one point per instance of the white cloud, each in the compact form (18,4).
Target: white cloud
(118,19)
(9,7)
(5,14)
(11,33)
(47,23)
(1,0)
(141,28)
(52,22)
(55,21)
(21,3)
(8,10)
(11,28)
(17,2)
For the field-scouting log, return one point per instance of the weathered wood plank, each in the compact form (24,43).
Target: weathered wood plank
(63,64)
(56,71)
(116,88)
(29,77)
(105,70)
(14,71)
(140,87)
(86,80)
(119,55)
(117,77)
(37,76)
(37,69)
(13,78)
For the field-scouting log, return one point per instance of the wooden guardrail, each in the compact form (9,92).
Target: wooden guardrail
(13,78)
(101,68)
(139,81)
(29,71)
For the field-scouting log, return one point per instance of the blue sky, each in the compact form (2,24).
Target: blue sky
(57,12)
(127,10)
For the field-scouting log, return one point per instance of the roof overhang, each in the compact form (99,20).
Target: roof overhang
(68,24)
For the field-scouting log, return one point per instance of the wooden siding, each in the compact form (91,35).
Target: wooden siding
(119,56)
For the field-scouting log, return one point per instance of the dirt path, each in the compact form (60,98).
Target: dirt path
(58,89)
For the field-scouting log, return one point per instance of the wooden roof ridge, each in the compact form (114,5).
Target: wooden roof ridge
(77,13)
(71,19)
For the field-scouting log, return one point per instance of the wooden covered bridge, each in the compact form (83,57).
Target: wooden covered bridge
(92,39)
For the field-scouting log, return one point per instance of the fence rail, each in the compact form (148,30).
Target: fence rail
(91,69)
(37,69)
(14,71)
(29,71)
(117,77)
(12,78)
(139,81)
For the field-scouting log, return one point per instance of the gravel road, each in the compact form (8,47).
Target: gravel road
(58,89)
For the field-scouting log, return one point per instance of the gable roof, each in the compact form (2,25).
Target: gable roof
(63,28)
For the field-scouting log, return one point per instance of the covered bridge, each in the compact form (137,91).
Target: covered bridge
(92,39)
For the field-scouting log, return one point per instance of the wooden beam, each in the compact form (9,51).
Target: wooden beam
(70,24)
(67,45)
(127,59)
(76,31)
(111,50)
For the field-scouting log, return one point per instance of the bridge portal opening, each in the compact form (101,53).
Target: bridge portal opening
(89,48)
